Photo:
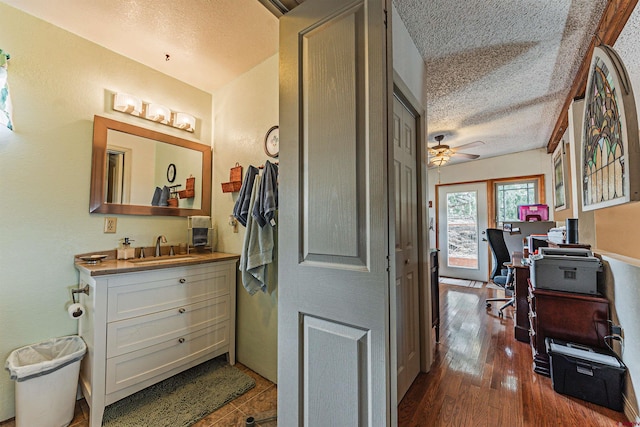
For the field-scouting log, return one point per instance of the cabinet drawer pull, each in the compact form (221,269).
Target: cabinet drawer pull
(182,310)
(181,340)
(182,280)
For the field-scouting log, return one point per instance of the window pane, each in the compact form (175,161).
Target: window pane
(510,195)
(462,229)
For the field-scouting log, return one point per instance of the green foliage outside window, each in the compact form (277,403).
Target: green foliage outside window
(510,196)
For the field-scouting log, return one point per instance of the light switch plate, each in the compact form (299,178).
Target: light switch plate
(110,224)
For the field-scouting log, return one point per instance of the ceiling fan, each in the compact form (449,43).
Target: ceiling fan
(441,153)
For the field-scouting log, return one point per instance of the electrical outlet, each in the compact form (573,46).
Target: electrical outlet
(110,224)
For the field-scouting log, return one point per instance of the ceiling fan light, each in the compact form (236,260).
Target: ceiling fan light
(440,160)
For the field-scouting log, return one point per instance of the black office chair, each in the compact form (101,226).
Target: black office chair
(500,275)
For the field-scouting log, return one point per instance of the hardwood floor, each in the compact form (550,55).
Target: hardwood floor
(482,376)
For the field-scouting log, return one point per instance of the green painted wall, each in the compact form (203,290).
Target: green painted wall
(243,112)
(58,83)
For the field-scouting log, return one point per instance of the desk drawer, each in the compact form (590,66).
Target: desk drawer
(136,333)
(172,291)
(137,366)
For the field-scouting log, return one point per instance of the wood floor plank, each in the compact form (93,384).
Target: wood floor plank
(482,376)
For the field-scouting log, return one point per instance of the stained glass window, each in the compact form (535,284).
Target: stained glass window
(5,99)
(603,159)
(607,175)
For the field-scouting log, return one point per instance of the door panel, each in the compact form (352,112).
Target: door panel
(327,341)
(406,247)
(333,297)
(462,221)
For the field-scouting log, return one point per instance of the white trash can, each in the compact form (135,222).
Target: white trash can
(46,377)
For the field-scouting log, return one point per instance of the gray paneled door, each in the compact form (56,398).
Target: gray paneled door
(333,302)
(406,246)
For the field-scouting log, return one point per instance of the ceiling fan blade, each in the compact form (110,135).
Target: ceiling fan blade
(469,145)
(467,155)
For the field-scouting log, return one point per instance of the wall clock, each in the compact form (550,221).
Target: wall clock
(171,173)
(272,142)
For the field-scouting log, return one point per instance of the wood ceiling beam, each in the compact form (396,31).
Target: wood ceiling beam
(614,18)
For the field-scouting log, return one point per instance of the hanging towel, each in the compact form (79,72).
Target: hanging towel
(257,251)
(164,196)
(266,203)
(156,197)
(200,230)
(241,208)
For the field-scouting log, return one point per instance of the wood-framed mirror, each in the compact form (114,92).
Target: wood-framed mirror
(130,163)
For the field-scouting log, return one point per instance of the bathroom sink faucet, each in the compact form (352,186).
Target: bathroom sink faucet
(162,239)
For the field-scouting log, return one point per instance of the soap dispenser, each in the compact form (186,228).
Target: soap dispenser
(125,251)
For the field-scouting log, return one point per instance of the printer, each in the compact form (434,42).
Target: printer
(565,269)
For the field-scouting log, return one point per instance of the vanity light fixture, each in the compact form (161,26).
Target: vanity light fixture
(184,121)
(133,105)
(158,113)
(127,104)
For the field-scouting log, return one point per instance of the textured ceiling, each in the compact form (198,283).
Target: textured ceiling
(210,42)
(499,70)
(628,47)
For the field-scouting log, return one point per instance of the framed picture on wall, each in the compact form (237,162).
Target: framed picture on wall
(560,177)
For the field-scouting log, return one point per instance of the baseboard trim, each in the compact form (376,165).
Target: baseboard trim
(629,410)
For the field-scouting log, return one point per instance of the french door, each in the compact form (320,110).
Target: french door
(462,221)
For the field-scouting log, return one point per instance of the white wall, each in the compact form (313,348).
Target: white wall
(244,110)
(58,82)
(622,275)
(407,62)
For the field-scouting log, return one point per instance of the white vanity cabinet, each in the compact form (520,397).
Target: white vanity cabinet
(142,327)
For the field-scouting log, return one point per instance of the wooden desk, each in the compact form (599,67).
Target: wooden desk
(578,318)
(522,304)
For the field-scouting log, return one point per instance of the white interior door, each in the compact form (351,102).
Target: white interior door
(462,221)
(406,246)
(334,279)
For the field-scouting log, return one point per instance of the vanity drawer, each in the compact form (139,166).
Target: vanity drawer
(136,333)
(132,368)
(151,294)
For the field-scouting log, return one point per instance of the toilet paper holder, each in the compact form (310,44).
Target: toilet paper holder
(84,290)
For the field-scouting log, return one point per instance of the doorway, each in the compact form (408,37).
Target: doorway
(463,220)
